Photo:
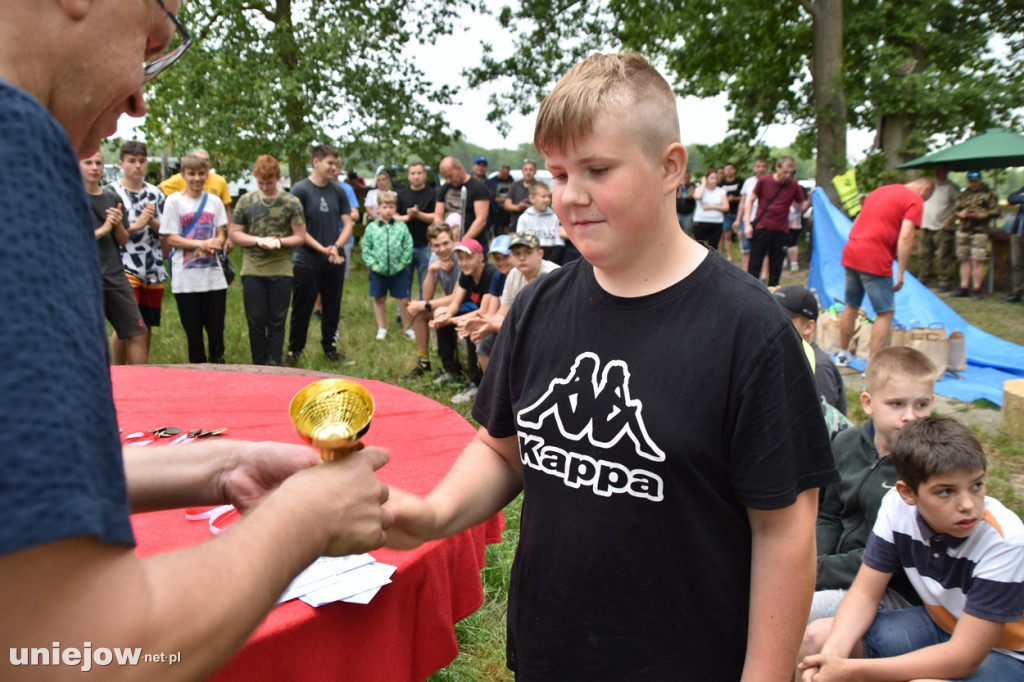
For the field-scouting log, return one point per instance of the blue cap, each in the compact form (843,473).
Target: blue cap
(480,159)
(500,244)
(973,175)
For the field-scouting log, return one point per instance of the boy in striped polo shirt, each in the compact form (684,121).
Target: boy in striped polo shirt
(964,554)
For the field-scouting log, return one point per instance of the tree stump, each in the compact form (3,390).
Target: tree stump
(1011,421)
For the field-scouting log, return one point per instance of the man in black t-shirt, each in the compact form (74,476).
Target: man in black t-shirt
(732,184)
(319,264)
(499,187)
(463,194)
(519,194)
(416,209)
(474,282)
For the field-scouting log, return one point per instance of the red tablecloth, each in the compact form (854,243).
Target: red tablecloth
(405,633)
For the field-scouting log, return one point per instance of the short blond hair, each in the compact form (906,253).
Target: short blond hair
(897,362)
(194,162)
(387,197)
(621,83)
(538,185)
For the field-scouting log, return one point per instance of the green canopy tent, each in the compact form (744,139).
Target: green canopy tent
(995,148)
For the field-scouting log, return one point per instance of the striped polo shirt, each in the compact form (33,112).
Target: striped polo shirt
(981,574)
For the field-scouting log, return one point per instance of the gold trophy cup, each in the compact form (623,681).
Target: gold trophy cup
(332,415)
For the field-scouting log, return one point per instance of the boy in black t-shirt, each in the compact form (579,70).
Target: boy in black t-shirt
(474,283)
(669,501)
(111,234)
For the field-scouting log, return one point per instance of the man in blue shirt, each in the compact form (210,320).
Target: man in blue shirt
(67,562)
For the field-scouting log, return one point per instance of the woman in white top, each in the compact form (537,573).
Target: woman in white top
(710,211)
(383,185)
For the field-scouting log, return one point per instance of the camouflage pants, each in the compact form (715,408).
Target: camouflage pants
(1017,263)
(947,268)
(972,246)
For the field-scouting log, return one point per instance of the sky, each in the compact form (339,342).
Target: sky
(702,121)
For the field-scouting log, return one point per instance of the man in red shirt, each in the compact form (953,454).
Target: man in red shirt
(767,230)
(884,230)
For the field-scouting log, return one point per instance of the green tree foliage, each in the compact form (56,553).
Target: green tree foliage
(912,69)
(275,76)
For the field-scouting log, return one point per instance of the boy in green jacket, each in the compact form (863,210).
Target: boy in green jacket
(387,251)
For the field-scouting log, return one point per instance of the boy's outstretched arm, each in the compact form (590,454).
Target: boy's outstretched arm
(782,567)
(486,477)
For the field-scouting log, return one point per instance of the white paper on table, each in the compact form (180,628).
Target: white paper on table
(365,578)
(363,597)
(322,572)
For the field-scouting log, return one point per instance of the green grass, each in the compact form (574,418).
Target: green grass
(481,636)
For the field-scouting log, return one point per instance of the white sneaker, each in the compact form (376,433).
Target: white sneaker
(382,333)
(409,333)
(794,267)
(843,358)
(466,395)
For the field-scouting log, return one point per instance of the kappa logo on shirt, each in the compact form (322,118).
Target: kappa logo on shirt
(591,404)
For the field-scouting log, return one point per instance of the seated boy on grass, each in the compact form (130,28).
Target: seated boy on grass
(444,271)
(530,264)
(899,388)
(964,555)
(473,285)
(669,495)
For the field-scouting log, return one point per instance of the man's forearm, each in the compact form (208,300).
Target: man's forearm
(188,478)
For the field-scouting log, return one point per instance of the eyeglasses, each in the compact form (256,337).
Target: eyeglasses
(154,68)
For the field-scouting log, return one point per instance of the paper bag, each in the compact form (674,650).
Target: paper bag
(827,332)
(899,335)
(933,344)
(862,340)
(957,361)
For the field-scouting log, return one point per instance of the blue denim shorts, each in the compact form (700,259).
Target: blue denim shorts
(879,290)
(400,284)
(899,632)
(744,242)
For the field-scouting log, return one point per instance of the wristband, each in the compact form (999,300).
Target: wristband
(430,308)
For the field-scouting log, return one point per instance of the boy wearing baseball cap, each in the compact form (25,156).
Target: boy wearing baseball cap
(473,284)
(802,306)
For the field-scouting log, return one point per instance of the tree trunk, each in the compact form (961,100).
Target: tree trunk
(829,92)
(893,133)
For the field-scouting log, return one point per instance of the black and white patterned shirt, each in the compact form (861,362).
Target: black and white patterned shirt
(142,256)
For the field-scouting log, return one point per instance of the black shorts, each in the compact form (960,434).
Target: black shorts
(122,311)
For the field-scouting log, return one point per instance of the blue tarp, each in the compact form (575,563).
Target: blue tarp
(991,361)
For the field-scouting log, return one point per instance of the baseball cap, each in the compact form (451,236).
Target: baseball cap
(797,300)
(480,159)
(973,175)
(525,239)
(500,244)
(469,245)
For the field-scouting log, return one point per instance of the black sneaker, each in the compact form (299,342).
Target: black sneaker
(976,293)
(334,356)
(446,377)
(1013,298)
(961,293)
(291,359)
(419,370)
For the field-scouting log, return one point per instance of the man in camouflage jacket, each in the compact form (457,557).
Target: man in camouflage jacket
(974,211)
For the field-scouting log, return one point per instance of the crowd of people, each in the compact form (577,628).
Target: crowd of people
(671,449)
(296,250)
